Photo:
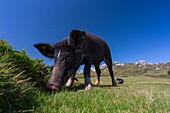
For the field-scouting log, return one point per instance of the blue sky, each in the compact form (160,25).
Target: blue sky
(134,29)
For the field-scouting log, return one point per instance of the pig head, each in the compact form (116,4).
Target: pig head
(78,48)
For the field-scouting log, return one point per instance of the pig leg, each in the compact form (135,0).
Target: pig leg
(87,80)
(71,80)
(98,72)
(111,73)
(108,62)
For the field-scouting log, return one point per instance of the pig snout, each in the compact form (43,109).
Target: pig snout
(51,86)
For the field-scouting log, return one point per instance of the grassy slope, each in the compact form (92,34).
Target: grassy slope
(20,77)
(144,90)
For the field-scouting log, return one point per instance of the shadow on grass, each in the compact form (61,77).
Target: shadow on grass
(103,86)
(79,87)
(75,87)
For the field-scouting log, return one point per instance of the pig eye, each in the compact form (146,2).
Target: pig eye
(44,47)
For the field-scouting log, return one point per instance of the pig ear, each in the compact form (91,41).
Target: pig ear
(77,38)
(46,49)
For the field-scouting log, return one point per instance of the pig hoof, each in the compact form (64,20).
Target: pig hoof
(97,83)
(88,87)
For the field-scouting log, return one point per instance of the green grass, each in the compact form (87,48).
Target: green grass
(20,77)
(137,94)
(22,89)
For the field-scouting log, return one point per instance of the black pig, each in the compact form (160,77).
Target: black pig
(78,48)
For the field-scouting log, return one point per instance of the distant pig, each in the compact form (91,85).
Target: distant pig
(78,48)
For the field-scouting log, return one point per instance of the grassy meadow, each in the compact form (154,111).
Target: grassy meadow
(22,89)
(138,95)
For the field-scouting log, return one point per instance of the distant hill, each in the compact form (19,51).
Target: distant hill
(140,67)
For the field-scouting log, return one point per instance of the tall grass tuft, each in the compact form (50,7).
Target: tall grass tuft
(18,75)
